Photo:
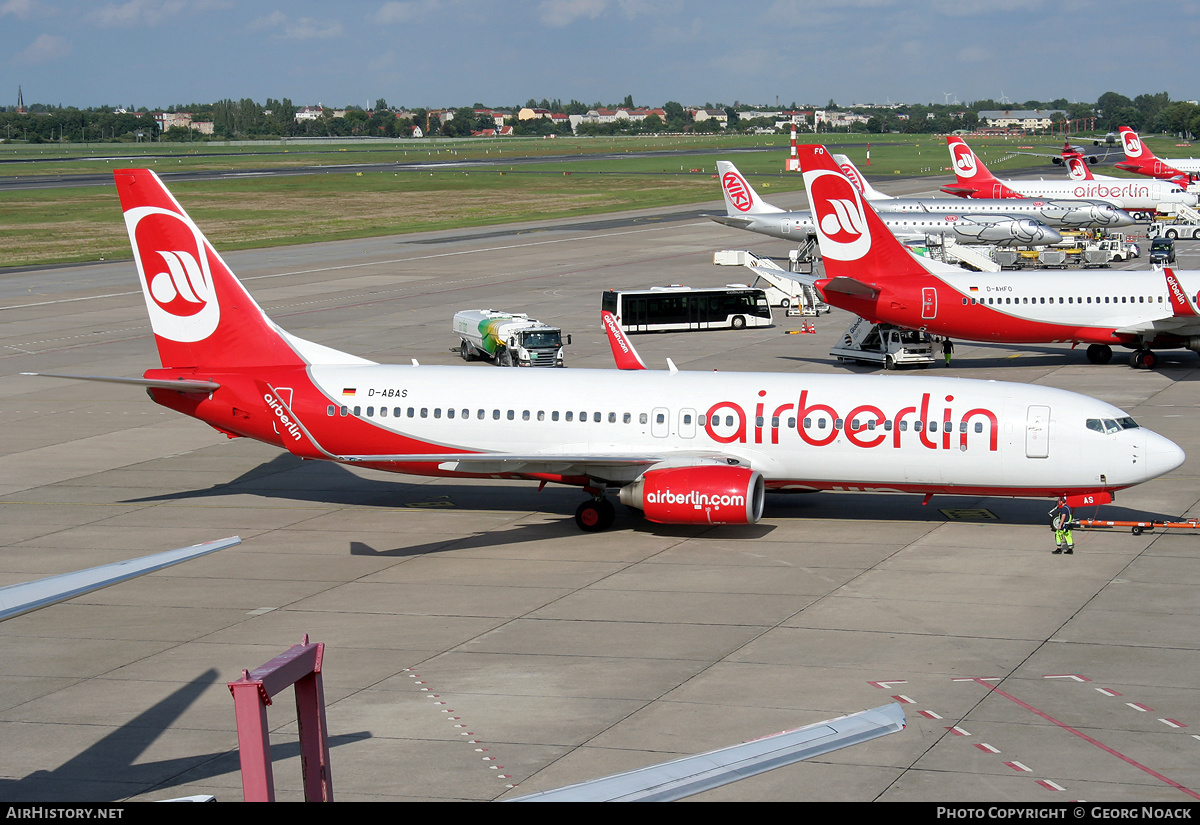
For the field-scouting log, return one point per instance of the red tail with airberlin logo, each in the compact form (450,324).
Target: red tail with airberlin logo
(200,314)
(972,175)
(854,241)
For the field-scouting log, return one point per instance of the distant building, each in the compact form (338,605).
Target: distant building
(1020,118)
(166,120)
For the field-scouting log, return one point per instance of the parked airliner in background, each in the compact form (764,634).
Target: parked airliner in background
(872,275)
(685,447)
(1061,213)
(745,209)
(1139,159)
(975,181)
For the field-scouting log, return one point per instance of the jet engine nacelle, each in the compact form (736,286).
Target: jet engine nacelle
(701,494)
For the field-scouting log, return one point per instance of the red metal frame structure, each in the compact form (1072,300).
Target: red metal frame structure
(299,666)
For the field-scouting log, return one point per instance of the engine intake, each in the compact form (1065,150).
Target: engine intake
(703,494)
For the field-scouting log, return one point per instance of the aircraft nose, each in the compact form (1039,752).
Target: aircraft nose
(1189,199)
(1049,235)
(1162,456)
(1119,217)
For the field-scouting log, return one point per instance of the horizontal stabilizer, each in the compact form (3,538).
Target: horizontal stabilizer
(732,220)
(850,286)
(182,385)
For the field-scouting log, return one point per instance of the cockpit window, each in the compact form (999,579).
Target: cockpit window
(1109,426)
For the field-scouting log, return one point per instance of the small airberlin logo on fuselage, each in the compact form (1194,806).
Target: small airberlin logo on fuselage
(738,191)
(838,214)
(173,263)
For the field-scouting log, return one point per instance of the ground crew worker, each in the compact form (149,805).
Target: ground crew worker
(947,349)
(1060,521)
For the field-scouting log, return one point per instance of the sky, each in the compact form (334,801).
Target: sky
(450,53)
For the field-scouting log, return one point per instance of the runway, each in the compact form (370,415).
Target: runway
(479,646)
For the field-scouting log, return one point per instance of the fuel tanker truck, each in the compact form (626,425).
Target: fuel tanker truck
(508,339)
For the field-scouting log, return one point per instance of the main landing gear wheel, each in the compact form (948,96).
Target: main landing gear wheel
(1143,359)
(1099,353)
(595,515)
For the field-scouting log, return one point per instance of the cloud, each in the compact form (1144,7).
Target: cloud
(23,9)
(404,12)
(560,13)
(44,49)
(136,13)
(281,27)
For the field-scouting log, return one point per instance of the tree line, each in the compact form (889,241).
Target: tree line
(247,119)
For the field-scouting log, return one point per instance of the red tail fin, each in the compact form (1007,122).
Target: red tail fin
(974,179)
(624,354)
(201,315)
(1141,160)
(854,242)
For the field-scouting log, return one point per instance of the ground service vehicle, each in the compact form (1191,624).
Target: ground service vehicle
(1162,251)
(884,344)
(1173,230)
(681,308)
(510,339)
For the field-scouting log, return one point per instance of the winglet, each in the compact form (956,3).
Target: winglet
(624,354)
(1180,305)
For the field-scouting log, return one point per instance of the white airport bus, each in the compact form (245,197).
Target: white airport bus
(680,308)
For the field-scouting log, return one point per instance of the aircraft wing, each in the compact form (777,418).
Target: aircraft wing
(29,596)
(690,775)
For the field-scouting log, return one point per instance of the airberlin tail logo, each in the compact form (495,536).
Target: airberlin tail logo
(839,215)
(964,160)
(1132,143)
(173,263)
(1077,168)
(737,191)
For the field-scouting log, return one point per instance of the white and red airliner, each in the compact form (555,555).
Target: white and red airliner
(1140,159)
(872,275)
(973,180)
(685,447)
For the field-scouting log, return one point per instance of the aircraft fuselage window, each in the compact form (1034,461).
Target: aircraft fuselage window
(554,415)
(612,418)
(424,412)
(628,418)
(330,410)
(370,412)
(345,410)
(437,412)
(358,410)
(642,418)
(596,417)
(570,416)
